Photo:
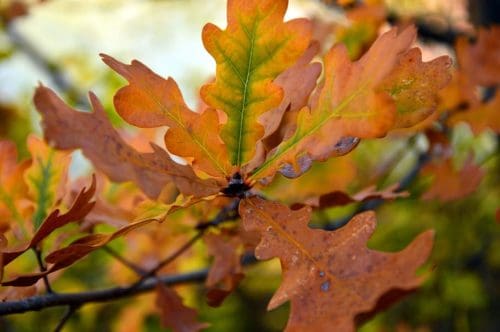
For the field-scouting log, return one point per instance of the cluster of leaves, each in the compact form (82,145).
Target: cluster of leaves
(267,116)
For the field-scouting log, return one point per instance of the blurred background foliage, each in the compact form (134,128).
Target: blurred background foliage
(57,42)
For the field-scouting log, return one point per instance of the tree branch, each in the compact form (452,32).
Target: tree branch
(77,299)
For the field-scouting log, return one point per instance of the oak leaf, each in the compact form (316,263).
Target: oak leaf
(46,177)
(482,117)
(174,314)
(152,101)
(297,82)
(481,61)
(66,128)
(450,183)
(78,249)
(253,50)
(12,186)
(80,208)
(330,278)
(226,270)
(365,21)
(364,99)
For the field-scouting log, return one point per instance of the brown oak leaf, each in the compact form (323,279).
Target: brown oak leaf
(449,183)
(174,314)
(66,128)
(226,271)
(330,278)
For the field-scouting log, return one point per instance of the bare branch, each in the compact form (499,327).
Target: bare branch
(106,295)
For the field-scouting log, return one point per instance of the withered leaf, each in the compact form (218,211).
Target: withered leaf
(80,208)
(481,61)
(174,314)
(226,270)
(66,128)
(329,277)
(12,186)
(75,251)
(449,183)
(482,117)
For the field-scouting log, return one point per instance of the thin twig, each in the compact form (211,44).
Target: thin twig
(71,310)
(137,269)
(43,268)
(173,256)
(229,212)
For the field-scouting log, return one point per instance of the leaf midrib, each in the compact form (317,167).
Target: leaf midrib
(43,192)
(248,74)
(181,124)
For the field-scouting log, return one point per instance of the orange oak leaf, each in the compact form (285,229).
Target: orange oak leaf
(449,183)
(253,50)
(80,208)
(66,128)
(12,186)
(481,117)
(481,60)
(330,278)
(297,82)
(152,101)
(174,314)
(364,99)
(366,20)
(414,85)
